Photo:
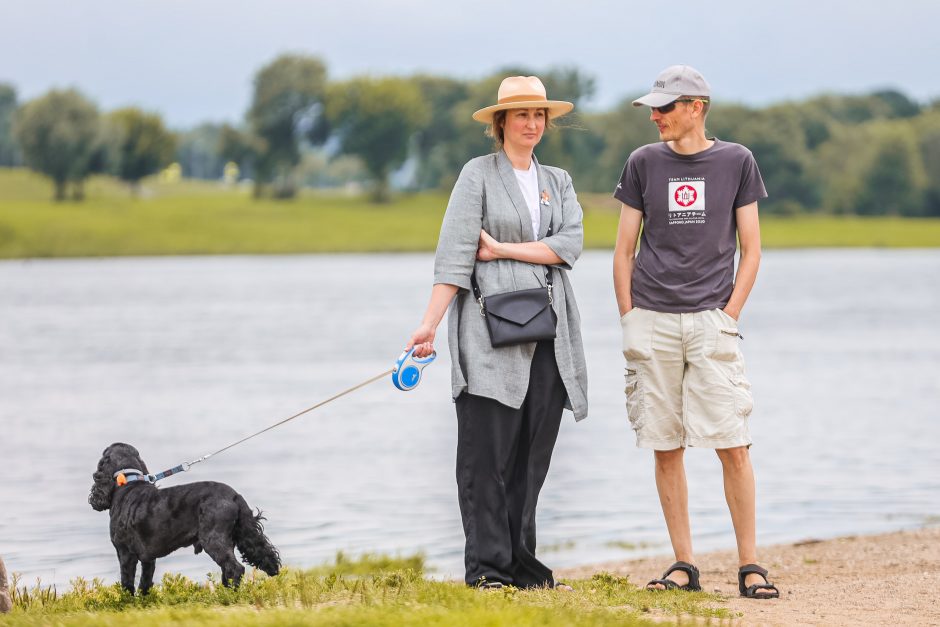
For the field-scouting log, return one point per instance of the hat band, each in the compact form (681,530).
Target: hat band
(522,98)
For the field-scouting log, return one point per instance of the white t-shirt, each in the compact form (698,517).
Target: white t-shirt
(529,184)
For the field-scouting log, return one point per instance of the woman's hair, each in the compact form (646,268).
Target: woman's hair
(495,130)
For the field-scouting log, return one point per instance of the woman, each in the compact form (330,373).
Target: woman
(509,222)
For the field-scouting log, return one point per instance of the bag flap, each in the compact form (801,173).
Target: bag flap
(517,307)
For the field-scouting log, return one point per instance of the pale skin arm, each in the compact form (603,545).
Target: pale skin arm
(628,231)
(531,252)
(749,238)
(423,337)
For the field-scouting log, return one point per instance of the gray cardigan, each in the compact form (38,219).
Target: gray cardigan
(487,196)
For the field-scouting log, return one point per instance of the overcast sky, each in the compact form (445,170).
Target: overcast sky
(193,60)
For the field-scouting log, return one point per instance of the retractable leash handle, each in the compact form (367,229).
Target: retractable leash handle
(407,372)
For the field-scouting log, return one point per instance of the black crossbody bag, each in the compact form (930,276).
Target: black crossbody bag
(518,317)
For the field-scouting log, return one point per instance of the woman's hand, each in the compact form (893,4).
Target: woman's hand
(488,249)
(422,340)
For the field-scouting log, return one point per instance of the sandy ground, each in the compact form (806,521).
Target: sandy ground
(891,579)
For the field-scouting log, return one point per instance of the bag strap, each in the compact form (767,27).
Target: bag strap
(478,295)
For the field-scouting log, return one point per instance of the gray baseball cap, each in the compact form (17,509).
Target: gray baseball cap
(672,83)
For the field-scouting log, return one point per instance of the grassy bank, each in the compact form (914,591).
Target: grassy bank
(205,218)
(370,591)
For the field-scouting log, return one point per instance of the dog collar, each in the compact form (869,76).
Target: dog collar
(130,475)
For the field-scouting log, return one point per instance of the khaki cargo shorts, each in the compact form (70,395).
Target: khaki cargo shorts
(685,380)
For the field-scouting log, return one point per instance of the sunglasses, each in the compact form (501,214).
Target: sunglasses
(663,110)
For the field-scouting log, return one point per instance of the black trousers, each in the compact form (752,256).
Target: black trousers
(503,456)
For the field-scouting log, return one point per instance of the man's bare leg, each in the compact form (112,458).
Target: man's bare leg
(740,495)
(674,499)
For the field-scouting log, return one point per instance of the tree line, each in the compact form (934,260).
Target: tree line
(868,154)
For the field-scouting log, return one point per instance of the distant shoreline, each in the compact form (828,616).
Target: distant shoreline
(877,579)
(197,218)
(226,226)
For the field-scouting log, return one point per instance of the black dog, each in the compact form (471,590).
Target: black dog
(147,523)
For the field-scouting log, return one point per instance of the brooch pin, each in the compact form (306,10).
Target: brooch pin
(545,198)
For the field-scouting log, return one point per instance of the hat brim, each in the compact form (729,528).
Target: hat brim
(556,109)
(656,99)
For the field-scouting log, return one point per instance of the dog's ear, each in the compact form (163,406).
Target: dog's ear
(103,487)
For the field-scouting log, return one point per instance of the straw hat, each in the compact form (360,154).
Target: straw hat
(522,92)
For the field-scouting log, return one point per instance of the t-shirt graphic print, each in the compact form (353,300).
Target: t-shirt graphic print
(686,201)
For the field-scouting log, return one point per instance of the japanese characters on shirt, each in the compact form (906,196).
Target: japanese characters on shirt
(686,200)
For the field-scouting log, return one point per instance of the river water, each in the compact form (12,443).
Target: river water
(181,356)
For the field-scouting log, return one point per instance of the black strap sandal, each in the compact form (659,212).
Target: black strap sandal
(764,590)
(669,584)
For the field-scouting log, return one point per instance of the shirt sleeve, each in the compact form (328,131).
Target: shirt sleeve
(568,239)
(628,190)
(460,229)
(751,188)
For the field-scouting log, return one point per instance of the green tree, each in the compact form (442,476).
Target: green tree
(777,138)
(9,155)
(857,109)
(144,145)
(197,152)
(103,157)
(897,104)
(927,127)
(288,97)
(434,139)
(375,119)
(59,134)
(242,147)
(930,147)
(894,181)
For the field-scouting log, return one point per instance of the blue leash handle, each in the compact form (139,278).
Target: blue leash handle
(407,372)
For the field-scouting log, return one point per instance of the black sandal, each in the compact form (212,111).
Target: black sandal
(669,584)
(764,590)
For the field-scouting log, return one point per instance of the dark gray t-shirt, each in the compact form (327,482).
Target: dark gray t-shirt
(686,258)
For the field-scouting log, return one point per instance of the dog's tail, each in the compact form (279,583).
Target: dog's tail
(254,546)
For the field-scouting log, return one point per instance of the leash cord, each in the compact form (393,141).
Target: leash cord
(186,465)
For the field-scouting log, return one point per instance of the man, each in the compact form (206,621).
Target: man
(680,301)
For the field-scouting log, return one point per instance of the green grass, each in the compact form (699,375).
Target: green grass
(203,218)
(193,217)
(374,591)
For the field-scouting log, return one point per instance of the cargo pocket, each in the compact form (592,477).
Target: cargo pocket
(723,337)
(741,390)
(724,344)
(637,327)
(634,392)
